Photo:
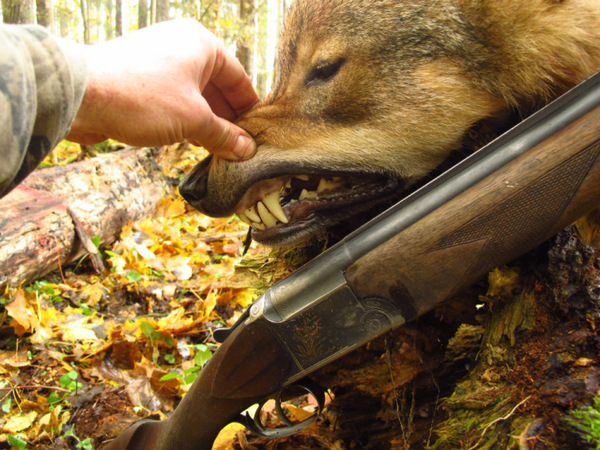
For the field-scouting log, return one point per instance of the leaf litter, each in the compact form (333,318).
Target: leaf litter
(83,355)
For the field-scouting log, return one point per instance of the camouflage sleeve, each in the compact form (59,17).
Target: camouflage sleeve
(42,81)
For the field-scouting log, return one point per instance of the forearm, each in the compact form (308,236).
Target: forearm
(43,80)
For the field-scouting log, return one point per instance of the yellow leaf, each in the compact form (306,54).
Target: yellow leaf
(20,422)
(245,297)
(79,334)
(22,314)
(92,293)
(170,207)
(226,436)
(41,335)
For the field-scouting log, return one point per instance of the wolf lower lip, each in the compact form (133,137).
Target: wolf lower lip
(293,202)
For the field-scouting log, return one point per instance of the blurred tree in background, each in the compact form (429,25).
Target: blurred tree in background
(249,28)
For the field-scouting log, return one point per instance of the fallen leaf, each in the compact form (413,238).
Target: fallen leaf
(22,314)
(20,422)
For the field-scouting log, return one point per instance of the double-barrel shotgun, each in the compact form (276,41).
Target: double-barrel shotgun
(495,205)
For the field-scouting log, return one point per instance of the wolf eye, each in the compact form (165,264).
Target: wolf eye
(323,72)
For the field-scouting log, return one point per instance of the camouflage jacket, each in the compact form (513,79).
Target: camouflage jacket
(42,80)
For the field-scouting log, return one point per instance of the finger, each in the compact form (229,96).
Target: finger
(218,103)
(231,79)
(223,138)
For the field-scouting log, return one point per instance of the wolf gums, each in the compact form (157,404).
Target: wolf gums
(373,95)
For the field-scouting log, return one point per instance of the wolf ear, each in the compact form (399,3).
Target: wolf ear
(323,72)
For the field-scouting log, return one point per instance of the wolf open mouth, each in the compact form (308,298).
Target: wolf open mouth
(292,207)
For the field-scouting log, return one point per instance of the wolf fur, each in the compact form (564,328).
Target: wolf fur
(388,89)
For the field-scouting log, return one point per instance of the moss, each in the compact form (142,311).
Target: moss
(502,283)
(510,318)
(585,421)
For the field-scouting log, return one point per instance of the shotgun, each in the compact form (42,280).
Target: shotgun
(497,204)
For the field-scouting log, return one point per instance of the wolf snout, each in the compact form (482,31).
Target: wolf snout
(193,187)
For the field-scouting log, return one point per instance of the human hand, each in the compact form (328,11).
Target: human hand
(164,84)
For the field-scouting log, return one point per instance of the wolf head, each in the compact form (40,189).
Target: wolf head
(372,95)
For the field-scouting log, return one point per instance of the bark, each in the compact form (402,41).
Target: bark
(44,13)
(162,10)
(142,14)
(245,46)
(17,11)
(85,17)
(118,18)
(38,219)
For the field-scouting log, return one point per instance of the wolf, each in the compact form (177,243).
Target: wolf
(372,96)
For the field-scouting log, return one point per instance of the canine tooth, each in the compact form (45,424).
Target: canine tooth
(288,184)
(302,177)
(252,215)
(258,226)
(243,218)
(306,194)
(268,219)
(271,201)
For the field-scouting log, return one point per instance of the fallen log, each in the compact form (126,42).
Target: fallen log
(45,220)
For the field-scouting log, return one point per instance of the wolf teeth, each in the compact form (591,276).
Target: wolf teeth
(271,201)
(252,214)
(267,218)
(268,212)
(307,194)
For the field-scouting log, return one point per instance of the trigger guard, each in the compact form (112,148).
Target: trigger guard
(254,424)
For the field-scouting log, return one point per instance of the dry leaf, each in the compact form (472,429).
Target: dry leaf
(22,314)
(20,422)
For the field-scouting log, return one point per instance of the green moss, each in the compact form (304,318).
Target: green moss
(586,422)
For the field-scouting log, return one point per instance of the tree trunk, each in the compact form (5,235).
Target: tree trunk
(85,9)
(245,48)
(17,11)
(142,14)
(44,13)
(38,218)
(162,10)
(118,18)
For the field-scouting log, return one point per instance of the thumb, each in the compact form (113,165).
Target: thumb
(224,139)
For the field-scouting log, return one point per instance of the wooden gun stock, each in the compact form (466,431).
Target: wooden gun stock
(501,217)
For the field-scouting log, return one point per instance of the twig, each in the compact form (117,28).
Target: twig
(86,242)
(512,411)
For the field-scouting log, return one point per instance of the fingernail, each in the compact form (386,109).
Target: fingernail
(245,147)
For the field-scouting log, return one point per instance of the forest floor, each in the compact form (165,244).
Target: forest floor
(84,354)
(514,362)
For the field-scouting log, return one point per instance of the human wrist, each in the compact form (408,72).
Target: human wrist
(87,128)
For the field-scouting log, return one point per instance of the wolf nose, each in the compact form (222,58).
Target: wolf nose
(193,187)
